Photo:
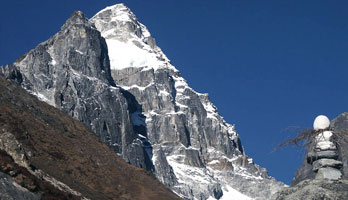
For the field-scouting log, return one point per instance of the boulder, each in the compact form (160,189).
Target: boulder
(328,173)
(325,145)
(326,163)
(313,156)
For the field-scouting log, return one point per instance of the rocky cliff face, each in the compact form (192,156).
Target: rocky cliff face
(109,73)
(71,71)
(194,150)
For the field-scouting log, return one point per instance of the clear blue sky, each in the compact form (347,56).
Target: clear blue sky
(267,65)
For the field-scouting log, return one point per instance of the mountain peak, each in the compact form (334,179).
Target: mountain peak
(117,6)
(117,12)
(120,7)
(79,13)
(76,18)
(129,41)
(182,131)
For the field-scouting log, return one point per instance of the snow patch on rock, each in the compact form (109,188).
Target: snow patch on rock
(230,194)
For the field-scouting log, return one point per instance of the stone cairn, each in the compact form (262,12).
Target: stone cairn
(323,155)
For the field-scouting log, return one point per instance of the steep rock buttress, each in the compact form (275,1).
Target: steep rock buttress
(193,149)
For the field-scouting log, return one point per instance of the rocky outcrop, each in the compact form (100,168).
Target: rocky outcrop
(195,151)
(340,124)
(10,72)
(315,189)
(10,190)
(27,183)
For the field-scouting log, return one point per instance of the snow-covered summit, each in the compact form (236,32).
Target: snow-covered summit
(130,43)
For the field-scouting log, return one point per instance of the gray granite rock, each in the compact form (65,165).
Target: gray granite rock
(315,190)
(10,190)
(340,124)
(10,72)
(192,158)
(164,171)
(328,173)
(326,163)
(313,156)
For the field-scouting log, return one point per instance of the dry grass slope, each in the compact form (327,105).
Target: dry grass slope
(68,151)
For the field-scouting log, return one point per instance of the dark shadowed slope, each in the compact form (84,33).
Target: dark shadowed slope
(59,149)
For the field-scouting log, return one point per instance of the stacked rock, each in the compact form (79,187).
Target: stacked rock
(324,155)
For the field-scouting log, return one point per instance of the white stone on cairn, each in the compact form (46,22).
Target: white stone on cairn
(321,122)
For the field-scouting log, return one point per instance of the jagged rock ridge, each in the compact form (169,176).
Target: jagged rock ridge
(71,71)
